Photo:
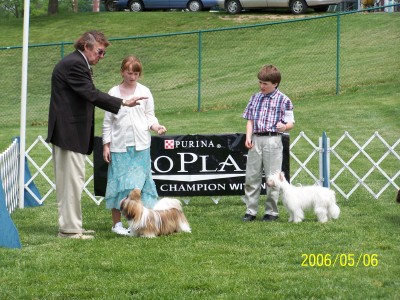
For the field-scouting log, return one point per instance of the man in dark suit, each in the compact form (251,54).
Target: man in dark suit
(71,126)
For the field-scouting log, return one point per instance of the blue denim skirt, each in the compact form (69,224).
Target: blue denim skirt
(129,170)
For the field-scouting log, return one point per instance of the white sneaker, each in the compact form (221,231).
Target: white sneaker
(119,229)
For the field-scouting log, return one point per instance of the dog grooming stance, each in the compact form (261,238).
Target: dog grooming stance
(298,199)
(165,218)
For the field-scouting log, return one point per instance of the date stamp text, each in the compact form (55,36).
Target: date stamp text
(339,260)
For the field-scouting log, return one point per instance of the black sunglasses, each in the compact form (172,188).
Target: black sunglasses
(101,52)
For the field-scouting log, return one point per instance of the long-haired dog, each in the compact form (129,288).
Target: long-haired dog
(298,199)
(165,218)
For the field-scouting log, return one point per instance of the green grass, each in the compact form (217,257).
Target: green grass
(305,51)
(223,258)
(123,24)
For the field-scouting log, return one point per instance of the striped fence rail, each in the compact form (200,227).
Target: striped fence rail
(9,162)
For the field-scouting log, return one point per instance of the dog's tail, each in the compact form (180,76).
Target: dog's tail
(168,203)
(333,210)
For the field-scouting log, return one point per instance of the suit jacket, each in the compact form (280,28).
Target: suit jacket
(72,103)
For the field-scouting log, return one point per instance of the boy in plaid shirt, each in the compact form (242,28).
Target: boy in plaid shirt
(269,113)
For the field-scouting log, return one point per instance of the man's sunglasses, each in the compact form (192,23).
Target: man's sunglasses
(101,52)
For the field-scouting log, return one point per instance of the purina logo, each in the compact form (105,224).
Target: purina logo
(172,144)
(169,144)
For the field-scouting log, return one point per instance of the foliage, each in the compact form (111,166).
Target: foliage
(11,8)
(14,8)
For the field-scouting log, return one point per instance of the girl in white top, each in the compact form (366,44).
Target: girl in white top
(126,143)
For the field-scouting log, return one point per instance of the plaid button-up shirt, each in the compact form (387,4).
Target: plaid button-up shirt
(267,110)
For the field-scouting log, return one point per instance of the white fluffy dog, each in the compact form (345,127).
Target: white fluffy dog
(165,218)
(298,199)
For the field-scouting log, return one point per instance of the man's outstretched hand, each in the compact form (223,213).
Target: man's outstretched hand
(133,101)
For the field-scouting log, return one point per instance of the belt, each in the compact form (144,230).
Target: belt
(267,133)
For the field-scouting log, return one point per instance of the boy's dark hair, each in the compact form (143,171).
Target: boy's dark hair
(269,73)
(89,38)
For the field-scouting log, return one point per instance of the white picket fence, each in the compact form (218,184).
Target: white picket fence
(374,166)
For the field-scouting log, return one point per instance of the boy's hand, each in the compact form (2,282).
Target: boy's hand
(280,127)
(248,143)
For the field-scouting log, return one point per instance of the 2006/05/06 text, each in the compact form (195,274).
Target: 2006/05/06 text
(340,260)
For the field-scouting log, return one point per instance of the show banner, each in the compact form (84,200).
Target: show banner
(193,165)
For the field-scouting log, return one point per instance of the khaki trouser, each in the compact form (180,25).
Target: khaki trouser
(266,155)
(69,169)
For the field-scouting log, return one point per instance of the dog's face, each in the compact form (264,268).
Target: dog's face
(276,179)
(122,205)
(271,181)
(131,205)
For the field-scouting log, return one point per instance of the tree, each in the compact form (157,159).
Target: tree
(13,7)
(52,9)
